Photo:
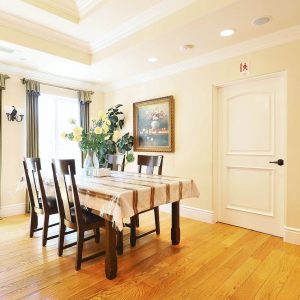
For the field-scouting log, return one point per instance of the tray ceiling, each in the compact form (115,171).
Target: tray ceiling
(111,40)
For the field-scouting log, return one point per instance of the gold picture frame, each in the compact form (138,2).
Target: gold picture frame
(153,125)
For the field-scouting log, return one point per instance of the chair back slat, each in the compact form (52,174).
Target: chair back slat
(64,172)
(150,162)
(116,161)
(31,166)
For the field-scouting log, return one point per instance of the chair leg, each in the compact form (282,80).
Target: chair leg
(120,242)
(97,235)
(137,221)
(61,238)
(133,231)
(156,215)
(45,229)
(80,238)
(33,222)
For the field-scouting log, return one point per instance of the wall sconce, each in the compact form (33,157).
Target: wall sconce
(13,114)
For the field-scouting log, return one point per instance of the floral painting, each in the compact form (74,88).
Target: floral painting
(154,125)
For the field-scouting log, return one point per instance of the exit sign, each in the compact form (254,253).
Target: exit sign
(244,68)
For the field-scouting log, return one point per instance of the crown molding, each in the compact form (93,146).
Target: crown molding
(58,8)
(43,32)
(266,41)
(50,78)
(85,6)
(150,16)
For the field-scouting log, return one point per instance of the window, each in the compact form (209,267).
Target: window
(54,115)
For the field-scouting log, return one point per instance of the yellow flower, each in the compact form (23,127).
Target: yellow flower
(101,115)
(98,130)
(63,135)
(77,138)
(107,122)
(77,130)
(116,135)
(105,128)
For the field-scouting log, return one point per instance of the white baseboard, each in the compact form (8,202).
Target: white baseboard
(291,235)
(12,210)
(194,213)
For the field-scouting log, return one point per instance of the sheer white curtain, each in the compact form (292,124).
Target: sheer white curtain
(54,115)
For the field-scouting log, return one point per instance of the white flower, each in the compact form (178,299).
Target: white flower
(98,130)
(121,116)
(116,135)
(107,137)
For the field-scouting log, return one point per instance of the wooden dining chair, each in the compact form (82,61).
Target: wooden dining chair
(150,162)
(116,162)
(40,203)
(72,214)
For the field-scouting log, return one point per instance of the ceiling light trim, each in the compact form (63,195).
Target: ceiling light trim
(268,41)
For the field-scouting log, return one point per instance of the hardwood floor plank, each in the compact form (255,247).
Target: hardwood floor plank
(216,261)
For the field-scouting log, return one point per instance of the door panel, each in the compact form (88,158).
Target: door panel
(250,137)
(251,134)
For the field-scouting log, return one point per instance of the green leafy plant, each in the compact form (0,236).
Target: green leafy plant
(105,136)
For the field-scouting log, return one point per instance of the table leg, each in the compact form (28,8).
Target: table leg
(111,263)
(120,242)
(175,231)
(133,231)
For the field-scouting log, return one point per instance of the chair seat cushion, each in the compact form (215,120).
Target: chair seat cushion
(52,205)
(88,217)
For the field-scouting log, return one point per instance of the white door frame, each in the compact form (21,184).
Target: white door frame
(216,187)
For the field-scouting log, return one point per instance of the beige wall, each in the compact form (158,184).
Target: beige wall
(193,93)
(14,138)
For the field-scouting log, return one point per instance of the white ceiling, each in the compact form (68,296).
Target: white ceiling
(106,41)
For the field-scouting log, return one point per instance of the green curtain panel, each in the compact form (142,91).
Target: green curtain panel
(2,87)
(32,120)
(85,98)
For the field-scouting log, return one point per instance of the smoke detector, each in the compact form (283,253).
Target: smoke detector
(261,20)
(187,47)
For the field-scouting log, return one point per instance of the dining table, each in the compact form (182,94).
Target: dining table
(123,195)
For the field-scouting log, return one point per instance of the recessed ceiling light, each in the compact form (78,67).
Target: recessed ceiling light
(261,20)
(227,32)
(152,59)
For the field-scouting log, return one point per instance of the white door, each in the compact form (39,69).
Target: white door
(251,134)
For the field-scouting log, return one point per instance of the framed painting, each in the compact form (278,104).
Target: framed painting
(153,125)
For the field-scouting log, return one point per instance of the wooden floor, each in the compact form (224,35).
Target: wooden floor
(212,262)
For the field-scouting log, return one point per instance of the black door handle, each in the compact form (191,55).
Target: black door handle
(279,162)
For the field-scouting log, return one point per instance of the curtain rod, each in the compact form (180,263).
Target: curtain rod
(57,86)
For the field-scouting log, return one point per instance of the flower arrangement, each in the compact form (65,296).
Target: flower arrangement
(157,115)
(104,136)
